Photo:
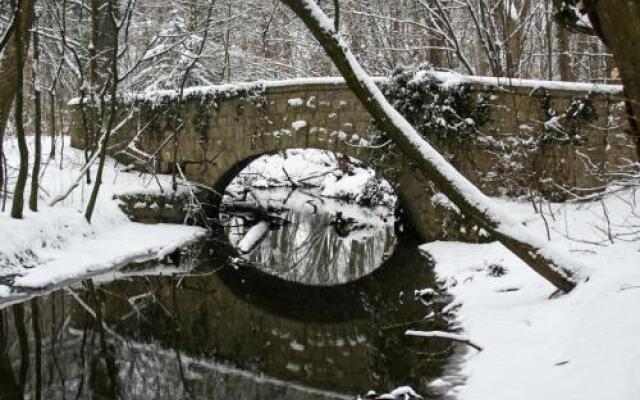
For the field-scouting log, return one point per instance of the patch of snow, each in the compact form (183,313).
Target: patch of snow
(297,125)
(57,244)
(293,367)
(295,102)
(404,392)
(316,168)
(448,78)
(297,346)
(442,200)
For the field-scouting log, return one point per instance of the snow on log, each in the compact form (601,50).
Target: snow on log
(443,335)
(557,267)
(253,236)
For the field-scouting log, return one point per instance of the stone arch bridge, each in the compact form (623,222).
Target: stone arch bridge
(225,127)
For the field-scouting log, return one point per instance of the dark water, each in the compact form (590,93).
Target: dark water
(219,330)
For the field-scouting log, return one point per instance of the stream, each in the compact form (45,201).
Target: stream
(298,297)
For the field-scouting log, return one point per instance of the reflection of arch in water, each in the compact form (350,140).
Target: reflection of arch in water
(348,301)
(219,320)
(314,246)
(347,338)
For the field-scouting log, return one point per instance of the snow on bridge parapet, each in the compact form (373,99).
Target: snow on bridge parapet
(448,78)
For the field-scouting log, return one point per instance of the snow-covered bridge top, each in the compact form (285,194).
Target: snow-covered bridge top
(448,78)
(493,135)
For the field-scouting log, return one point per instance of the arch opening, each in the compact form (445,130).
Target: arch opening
(309,216)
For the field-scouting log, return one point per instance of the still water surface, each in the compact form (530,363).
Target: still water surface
(326,322)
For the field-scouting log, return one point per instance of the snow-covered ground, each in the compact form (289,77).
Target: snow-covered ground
(584,345)
(322,169)
(57,243)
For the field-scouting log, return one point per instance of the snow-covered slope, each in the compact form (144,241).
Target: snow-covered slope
(57,243)
(584,345)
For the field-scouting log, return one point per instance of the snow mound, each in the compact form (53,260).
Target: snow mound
(57,244)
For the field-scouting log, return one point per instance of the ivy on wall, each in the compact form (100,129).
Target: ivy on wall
(436,108)
(564,127)
(203,104)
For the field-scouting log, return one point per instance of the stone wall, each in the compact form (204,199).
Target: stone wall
(220,136)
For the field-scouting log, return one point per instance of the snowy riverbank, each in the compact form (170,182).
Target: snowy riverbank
(57,244)
(584,345)
(335,177)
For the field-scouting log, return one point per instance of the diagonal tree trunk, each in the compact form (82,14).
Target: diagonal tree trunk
(554,266)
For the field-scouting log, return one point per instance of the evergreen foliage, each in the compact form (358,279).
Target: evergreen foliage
(444,110)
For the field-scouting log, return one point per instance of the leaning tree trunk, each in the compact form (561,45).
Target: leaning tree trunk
(554,266)
(8,72)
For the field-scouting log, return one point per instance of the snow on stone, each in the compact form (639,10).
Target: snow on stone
(448,79)
(295,102)
(297,125)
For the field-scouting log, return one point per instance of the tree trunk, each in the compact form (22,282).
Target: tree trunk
(107,123)
(564,59)
(18,40)
(35,171)
(52,123)
(8,72)
(555,267)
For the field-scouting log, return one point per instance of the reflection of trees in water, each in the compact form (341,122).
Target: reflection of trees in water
(43,356)
(177,336)
(315,248)
(197,335)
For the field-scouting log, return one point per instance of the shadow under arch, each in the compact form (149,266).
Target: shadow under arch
(336,303)
(313,303)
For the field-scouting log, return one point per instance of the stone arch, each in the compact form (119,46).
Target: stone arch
(414,196)
(225,126)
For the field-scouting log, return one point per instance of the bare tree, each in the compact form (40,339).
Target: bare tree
(19,39)
(107,123)
(10,61)
(35,171)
